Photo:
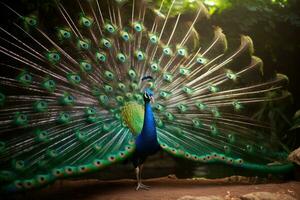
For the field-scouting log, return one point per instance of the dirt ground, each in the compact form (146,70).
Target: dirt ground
(166,188)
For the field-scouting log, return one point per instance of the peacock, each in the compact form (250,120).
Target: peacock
(102,82)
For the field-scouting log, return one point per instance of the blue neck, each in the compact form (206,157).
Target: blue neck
(149,127)
(146,142)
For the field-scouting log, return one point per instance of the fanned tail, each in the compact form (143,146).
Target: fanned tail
(206,107)
(70,92)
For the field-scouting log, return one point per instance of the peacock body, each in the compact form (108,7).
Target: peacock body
(73,99)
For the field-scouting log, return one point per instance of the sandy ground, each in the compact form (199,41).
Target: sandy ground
(166,188)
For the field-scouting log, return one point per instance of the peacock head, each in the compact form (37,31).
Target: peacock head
(148,93)
(148,96)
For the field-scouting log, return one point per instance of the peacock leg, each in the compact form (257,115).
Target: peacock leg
(140,185)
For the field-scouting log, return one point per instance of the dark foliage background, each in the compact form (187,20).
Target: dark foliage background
(275,30)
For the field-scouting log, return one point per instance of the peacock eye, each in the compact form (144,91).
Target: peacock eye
(51,83)
(65,34)
(27,77)
(55,56)
(106,43)
(153,39)
(86,21)
(182,52)
(201,60)
(121,86)
(132,74)
(213,88)
(167,77)
(154,67)
(101,56)
(109,75)
(125,36)
(167,51)
(74,78)
(121,57)
(110,28)
(31,20)
(137,27)
(87,66)
(139,55)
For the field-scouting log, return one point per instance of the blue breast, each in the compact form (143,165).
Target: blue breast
(146,142)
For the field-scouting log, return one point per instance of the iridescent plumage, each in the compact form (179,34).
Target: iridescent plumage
(71,96)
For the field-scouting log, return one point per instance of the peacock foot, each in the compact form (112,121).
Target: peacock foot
(142,186)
